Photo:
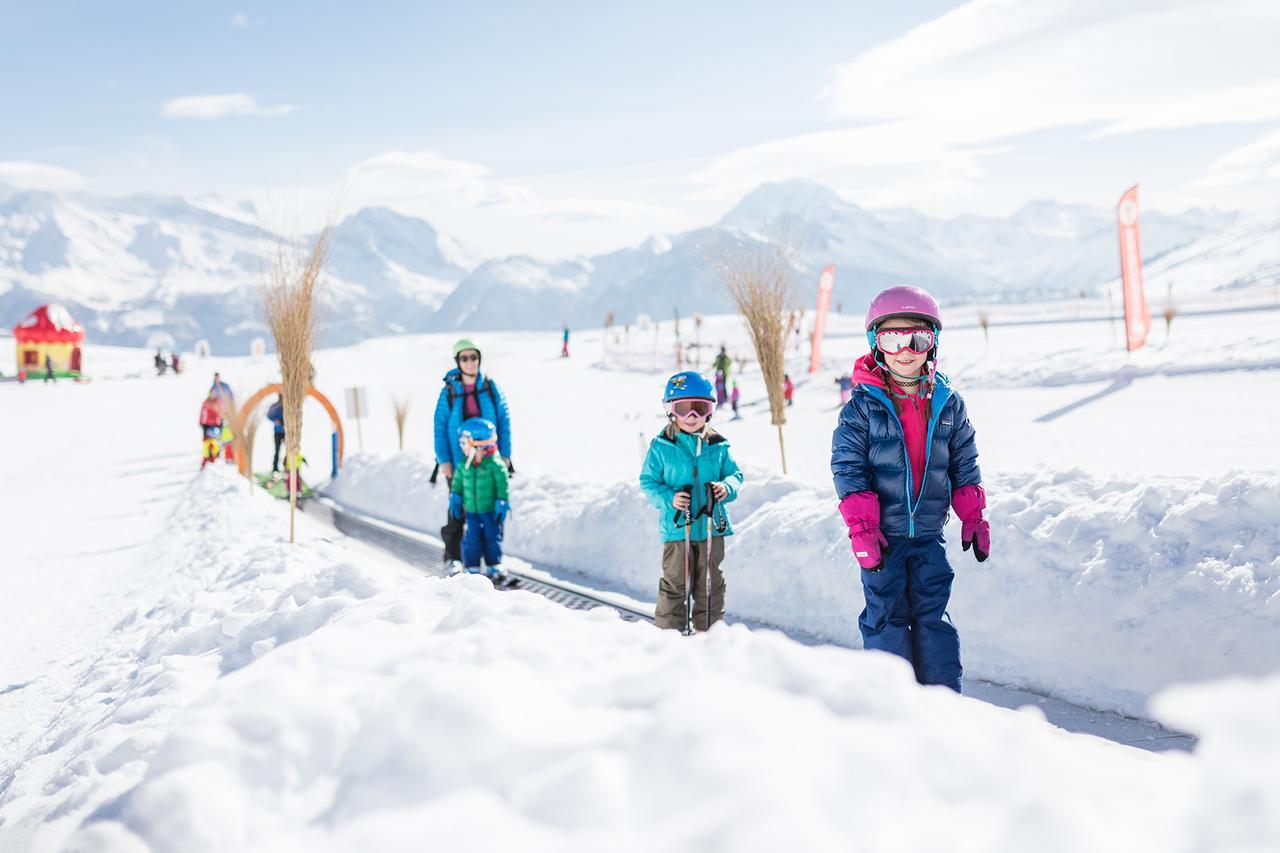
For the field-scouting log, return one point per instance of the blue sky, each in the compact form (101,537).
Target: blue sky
(557,128)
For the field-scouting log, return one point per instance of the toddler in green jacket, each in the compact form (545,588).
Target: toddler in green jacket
(689,475)
(479,493)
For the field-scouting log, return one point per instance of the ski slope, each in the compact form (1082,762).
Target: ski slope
(173,676)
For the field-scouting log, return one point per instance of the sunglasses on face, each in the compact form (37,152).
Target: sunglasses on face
(892,341)
(691,408)
(468,357)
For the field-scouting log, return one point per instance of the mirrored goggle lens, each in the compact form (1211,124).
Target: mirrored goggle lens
(896,340)
(692,407)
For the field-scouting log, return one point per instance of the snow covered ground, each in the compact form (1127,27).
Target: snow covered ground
(173,676)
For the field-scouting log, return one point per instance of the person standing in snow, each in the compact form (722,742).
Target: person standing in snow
(210,427)
(48,370)
(722,394)
(722,363)
(564,350)
(467,393)
(478,493)
(903,451)
(275,414)
(788,389)
(845,383)
(689,475)
(734,395)
(228,401)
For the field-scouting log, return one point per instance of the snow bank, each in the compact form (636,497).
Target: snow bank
(1101,592)
(314,698)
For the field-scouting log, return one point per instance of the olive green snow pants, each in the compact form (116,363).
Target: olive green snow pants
(670,612)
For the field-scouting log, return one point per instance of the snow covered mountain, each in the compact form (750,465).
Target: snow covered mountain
(130,267)
(134,266)
(1045,249)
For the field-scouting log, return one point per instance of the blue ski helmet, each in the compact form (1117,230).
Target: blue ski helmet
(688,385)
(477,431)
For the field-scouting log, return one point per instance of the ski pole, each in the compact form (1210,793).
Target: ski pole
(688,583)
(711,502)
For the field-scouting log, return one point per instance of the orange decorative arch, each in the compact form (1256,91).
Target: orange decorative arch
(276,388)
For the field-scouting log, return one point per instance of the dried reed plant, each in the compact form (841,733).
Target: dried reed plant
(290,302)
(401,405)
(761,277)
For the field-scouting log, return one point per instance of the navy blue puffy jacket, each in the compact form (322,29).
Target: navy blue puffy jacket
(868,452)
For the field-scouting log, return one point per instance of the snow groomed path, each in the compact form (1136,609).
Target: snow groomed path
(425,552)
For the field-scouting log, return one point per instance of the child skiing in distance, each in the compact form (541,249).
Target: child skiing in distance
(902,451)
(689,475)
(734,396)
(210,428)
(479,492)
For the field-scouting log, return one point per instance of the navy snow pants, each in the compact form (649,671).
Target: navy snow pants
(484,535)
(906,611)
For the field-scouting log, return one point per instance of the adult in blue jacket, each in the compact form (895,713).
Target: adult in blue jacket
(275,414)
(467,393)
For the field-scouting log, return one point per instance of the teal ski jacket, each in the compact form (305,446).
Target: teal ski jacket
(688,461)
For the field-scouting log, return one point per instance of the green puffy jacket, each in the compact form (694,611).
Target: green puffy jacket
(481,485)
(687,461)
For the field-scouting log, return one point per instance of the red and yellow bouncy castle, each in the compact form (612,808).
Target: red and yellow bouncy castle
(49,331)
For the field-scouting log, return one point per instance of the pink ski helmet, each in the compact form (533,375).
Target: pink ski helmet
(903,301)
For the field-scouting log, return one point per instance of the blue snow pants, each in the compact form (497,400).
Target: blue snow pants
(483,536)
(906,611)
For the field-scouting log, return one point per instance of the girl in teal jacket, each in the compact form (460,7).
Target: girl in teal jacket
(689,475)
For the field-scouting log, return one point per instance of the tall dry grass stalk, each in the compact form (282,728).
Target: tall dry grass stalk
(290,303)
(248,432)
(402,412)
(761,279)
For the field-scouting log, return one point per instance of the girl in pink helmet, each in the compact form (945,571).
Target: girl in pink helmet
(902,455)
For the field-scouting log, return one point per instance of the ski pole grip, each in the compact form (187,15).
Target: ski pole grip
(684,490)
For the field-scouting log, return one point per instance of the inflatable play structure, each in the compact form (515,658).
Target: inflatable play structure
(247,410)
(49,331)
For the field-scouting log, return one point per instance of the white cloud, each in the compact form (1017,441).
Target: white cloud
(931,105)
(218,106)
(239,19)
(26,175)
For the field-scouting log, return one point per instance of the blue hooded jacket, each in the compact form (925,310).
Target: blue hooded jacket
(869,453)
(493,407)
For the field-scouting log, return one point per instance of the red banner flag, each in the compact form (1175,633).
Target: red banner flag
(1137,318)
(825,282)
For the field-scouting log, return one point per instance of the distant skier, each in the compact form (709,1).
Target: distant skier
(689,475)
(275,414)
(722,395)
(48,370)
(723,363)
(173,357)
(479,494)
(788,389)
(845,383)
(210,428)
(228,400)
(733,400)
(895,501)
(158,361)
(564,349)
(467,393)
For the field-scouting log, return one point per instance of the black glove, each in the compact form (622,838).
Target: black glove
(511,469)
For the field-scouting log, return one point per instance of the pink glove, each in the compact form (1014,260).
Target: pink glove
(861,512)
(969,502)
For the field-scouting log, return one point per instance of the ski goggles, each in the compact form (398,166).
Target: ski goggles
(891,341)
(690,408)
(467,441)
